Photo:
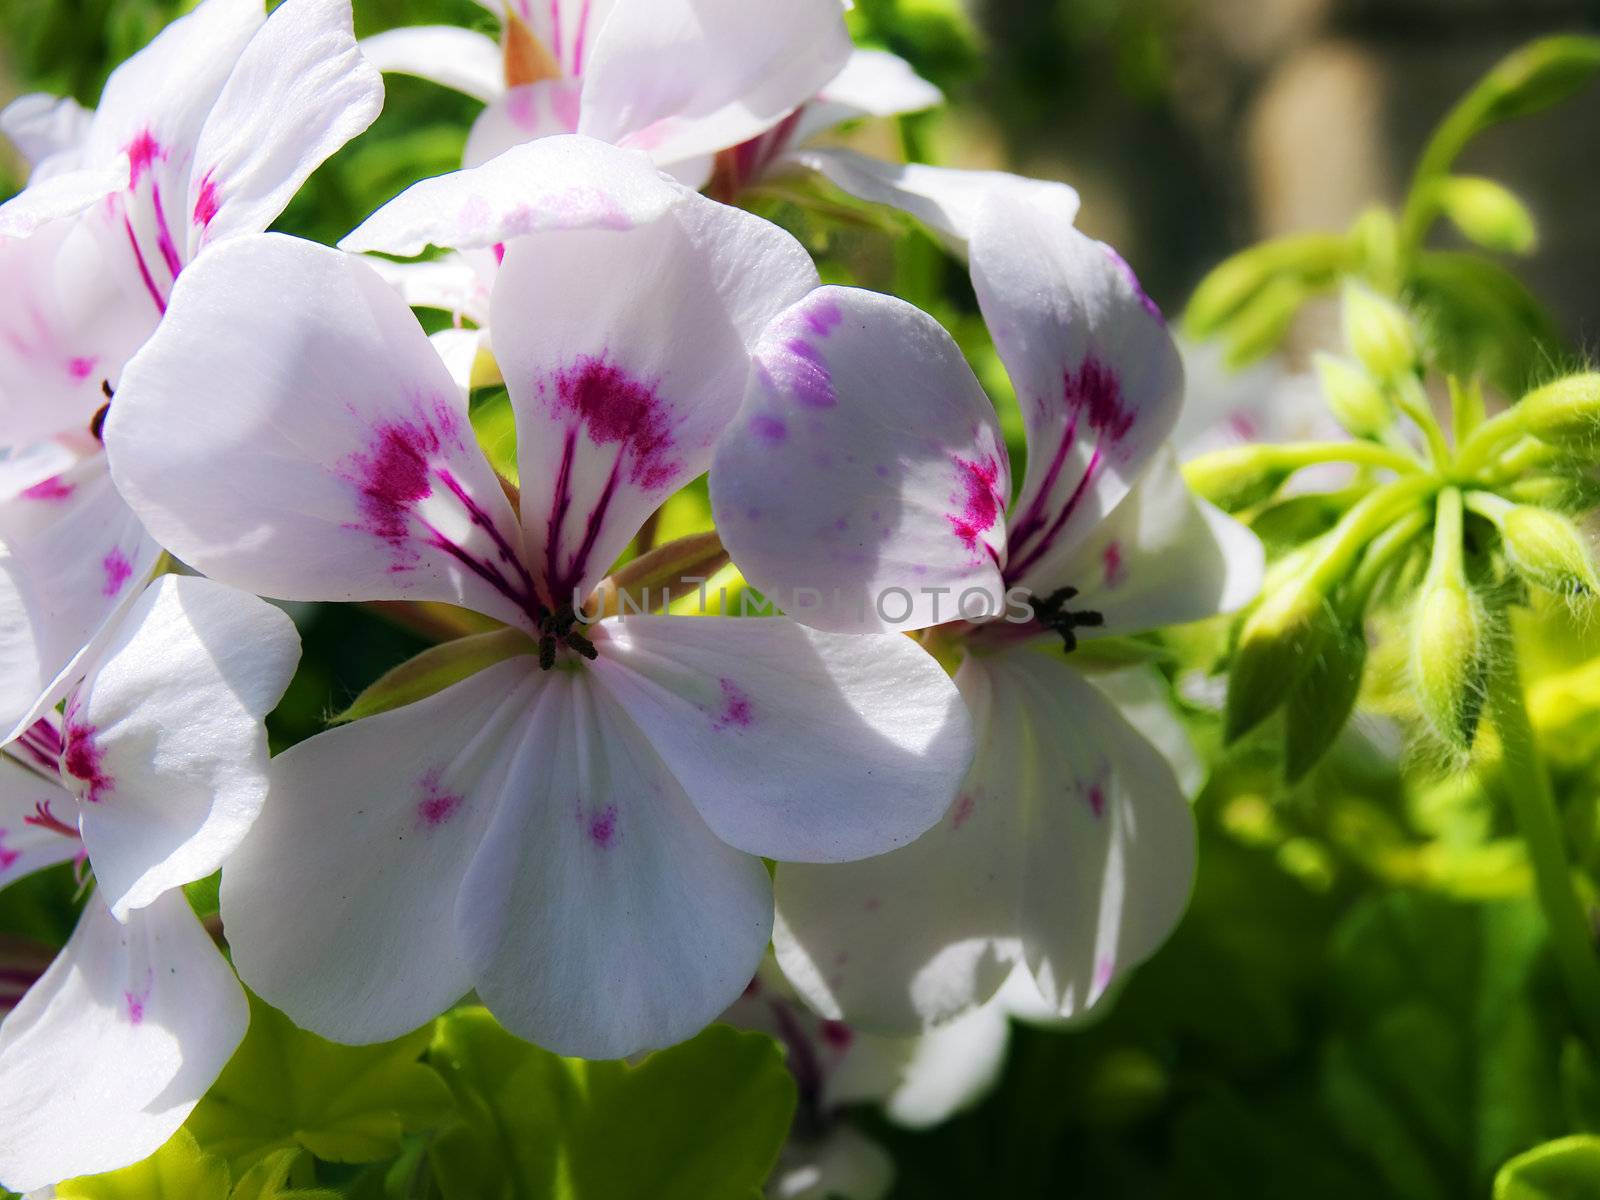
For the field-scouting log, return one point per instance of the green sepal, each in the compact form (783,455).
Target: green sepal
(435,669)
(1322,699)
(1565,1169)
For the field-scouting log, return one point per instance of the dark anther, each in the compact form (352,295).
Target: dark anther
(1051,612)
(557,629)
(97,423)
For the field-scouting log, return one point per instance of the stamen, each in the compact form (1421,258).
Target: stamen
(1052,613)
(43,818)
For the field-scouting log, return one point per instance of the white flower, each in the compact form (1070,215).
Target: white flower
(867,456)
(573,831)
(204,134)
(152,776)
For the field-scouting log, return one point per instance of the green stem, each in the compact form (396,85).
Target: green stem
(1533,804)
(1367,454)
(1413,401)
(1368,518)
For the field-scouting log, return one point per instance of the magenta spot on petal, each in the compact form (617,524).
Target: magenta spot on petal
(135,1001)
(84,759)
(603,827)
(520,107)
(735,707)
(618,409)
(961,812)
(805,372)
(1095,390)
(499,249)
(206,201)
(81,367)
(1243,427)
(1096,799)
(822,317)
(8,857)
(54,488)
(142,151)
(769,429)
(391,476)
(836,1034)
(437,804)
(118,571)
(980,500)
(1111,561)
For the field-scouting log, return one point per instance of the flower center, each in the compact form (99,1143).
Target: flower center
(1052,612)
(556,629)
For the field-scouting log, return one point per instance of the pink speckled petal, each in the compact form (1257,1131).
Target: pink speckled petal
(1096,372)
(626,354)
(1161,557)
(165,746)
(342,465)
(376,822)
(682,78)
(26,785)
(299,91)
(863,486)
(558,182)
(72,556)
(461,59)
(1070,845)
(600,916)
(524,114)
(122,1036)
(793,744)
(567,28)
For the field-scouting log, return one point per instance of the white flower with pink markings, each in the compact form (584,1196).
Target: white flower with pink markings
(867,460)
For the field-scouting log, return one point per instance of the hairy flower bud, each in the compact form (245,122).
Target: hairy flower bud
(1566,412)
(1448,651)
(1277,644)
(1379,333)
(1488,213)
(1236,477)
(1353,398)
(1548,550)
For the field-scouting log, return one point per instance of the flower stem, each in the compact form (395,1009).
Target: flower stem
(1533,804)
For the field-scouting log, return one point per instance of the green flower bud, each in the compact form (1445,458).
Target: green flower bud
(1277,643)
(1548,550)
(1236,477)
(1487,213)
(1353,398)
(1448,652)
(1564,413)
(1322,699)
(1379,334)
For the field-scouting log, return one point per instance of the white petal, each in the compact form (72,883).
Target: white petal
(69,320)
(843,1164)
(300,91)
(107,1054)
(923,1081)
(57,196)
(26,848)
(462,59)
(72,555)
(912,939)
(945,199)
(680,78)
(867,467)
(376,822)
(873,83)
(1162,557)
(164,739)
(1110,841)
(1096,372)
(566,28)
(459,350)
(793,744)
(562,182)
(1144,697)
(42,126)
(454,283)
(626,352)
(523,114)
(601,916)
(342,466)
(167,88)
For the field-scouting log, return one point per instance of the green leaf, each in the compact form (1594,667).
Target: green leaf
(700,1121)
(269,1179)
(1565,1169)
(288,1088)
(1442,1060)
(435,669)
(177,1171)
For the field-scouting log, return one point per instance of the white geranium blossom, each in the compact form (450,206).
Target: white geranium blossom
(573,833)
(867,456)
(151,777)
(204,134)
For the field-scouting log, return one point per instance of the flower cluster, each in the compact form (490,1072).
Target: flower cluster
(567,816)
